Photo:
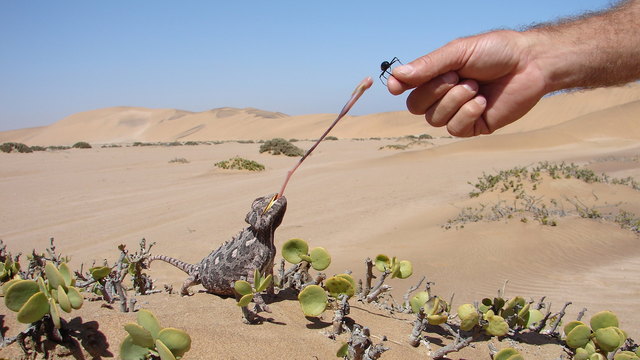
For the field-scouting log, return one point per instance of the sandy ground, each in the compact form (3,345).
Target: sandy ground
(355,200)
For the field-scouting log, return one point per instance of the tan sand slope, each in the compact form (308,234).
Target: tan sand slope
(130,124)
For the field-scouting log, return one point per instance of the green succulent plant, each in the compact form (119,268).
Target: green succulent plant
(297,250)
(246,291)
(313,300)
(399,268)
(32,300)
(435,309)
(508,354)
(147,339)
(9,269)
(342,284)
(596,340)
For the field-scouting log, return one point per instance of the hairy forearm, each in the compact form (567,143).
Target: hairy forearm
(598,49)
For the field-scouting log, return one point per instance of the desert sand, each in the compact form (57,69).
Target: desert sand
(350,197)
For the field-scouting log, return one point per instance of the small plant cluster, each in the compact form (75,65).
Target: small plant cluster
(108,282)
(279,146)
(598,339)
(10,147)
(38,303)
(81,145)
(146,339)
(178,160)
(521,182)
(238,163)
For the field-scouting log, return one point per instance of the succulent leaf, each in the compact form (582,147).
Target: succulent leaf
(293,248)
(437,319)
(63,300)
(131,351)
(578,336)
(418,301)
(505,354)
(497,326)
(19,293)
(351,281)
(7,285)
(265,283)
(603,319)
(608,338)
(242,287)
(571,325)
(469,317)
(139,335)
(34,309)
(66,273)
(405,269)
(337,286)
(382,262)
(313,300)
(625,355)
(55,313)
(176,340)
(99,272)
(54,276)
(163,351)
(75,298)
(149,321)
(535,316)
(245,300)
(343,351)
(320,258)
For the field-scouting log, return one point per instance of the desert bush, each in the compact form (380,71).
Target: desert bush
(279,146)
(192,143)
(148,340)
(18,147)
(178,160)
(38,148)
(425,137)
(81,145)
(331,138)
(238,163)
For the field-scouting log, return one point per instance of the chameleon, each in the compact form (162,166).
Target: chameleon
(252,248)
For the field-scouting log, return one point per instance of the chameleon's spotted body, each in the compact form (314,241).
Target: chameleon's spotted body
(251,249)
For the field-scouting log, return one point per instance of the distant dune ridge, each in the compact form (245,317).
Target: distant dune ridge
(130,124)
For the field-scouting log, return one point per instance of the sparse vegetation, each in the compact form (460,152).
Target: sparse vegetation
(520,185)
(331,138)
(9,147)
(81,145)
(279,146)
(178,160)
(238,163)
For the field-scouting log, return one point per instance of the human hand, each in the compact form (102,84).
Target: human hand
(473,85)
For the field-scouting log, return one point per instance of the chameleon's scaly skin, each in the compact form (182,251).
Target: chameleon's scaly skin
(251,249)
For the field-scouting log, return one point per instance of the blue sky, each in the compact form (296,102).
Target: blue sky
(297,57)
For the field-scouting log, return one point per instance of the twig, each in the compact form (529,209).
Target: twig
(559,317)
(418,325)
(410,290)
(369,277)
(458,344)
(581,314)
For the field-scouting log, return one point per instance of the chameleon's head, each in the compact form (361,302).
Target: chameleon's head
(267,211)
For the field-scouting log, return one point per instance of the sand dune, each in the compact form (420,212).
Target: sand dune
(130,124)
(350,197)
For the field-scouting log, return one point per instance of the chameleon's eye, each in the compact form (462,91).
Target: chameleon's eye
(273,201)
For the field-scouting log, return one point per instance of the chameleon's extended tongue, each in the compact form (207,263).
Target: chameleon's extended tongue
(360,89)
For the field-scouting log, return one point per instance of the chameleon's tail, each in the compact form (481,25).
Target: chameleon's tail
(186,267)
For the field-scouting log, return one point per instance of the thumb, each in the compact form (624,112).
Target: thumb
(423,69)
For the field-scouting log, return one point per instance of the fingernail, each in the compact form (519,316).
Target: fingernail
(406,70)
(450,78)
(470,86)
(480,100)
